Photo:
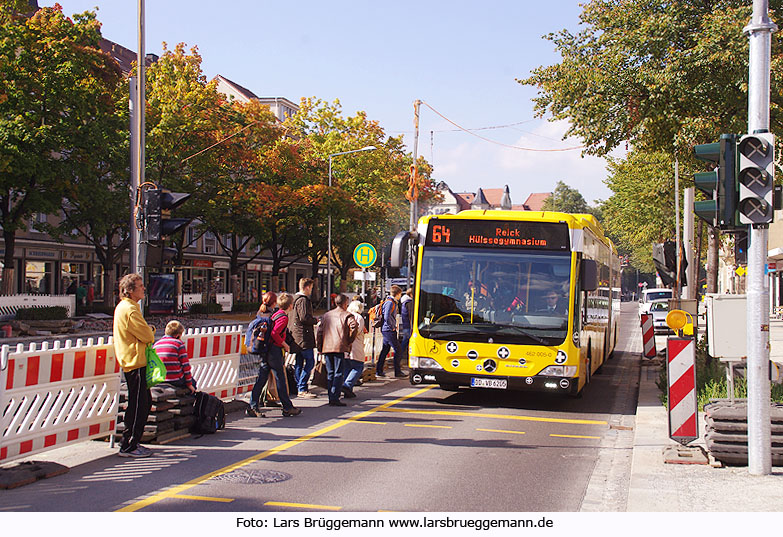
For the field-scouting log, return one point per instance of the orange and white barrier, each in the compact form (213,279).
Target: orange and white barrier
(648,336)
(214,358)
(50,397)
(683,407)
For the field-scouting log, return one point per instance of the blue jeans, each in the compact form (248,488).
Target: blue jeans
(353,370)
(272,362)
(334,374)
(305,360)
(406,337)
(389,341)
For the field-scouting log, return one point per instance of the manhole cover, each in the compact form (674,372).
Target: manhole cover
(253,476)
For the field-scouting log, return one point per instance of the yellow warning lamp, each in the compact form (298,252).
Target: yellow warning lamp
(678,320)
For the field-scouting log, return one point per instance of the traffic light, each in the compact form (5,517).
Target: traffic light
(741,248)
(157,205)
(756,178)
(719,184)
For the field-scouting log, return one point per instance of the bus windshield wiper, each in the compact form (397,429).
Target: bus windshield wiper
(524,332)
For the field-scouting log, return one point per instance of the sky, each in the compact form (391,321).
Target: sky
(461,58)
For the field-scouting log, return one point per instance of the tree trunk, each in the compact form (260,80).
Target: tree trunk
(109,284)
(8,263)
(713,243)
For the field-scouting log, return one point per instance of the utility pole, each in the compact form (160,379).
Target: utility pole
(677,282)
(415,200)
(759,33)
(138,104)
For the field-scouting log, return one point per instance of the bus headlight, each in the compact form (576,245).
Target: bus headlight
(420,362)
(559,371)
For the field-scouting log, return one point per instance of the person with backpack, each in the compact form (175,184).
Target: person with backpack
(257,341)
(272,359)
(388,321)
(406,318)
(335,335)
(303,332)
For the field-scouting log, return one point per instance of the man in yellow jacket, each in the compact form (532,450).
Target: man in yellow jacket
(132,334)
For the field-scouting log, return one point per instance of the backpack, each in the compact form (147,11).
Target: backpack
(376,313)
(210,414)
(259,334)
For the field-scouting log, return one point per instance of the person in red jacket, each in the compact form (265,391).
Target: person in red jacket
(274,356)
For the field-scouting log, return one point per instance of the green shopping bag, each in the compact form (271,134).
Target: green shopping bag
(156,369)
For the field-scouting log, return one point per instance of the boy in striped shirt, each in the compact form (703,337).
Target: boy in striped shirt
(174,354)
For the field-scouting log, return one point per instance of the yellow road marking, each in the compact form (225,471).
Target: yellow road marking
(499,416)
(177,489)
(500,431)
(430,426)
(204,498)
(373,422)
(575,436)
(305,506)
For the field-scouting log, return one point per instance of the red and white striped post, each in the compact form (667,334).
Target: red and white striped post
(648,336)
(683,407)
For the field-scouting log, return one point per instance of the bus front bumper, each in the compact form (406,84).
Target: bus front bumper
(538,383)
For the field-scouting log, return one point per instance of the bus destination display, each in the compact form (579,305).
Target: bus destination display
(498,234)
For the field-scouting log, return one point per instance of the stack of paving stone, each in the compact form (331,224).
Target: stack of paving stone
(727,432)
(170,417)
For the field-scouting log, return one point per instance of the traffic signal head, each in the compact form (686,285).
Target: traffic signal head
(756,178)
(719,184)
(157,205)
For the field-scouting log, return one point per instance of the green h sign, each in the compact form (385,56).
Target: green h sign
(364,255)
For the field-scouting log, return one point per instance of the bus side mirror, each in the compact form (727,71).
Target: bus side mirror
(399,249)
(589,275)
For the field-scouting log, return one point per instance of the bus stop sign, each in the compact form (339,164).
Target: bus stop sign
(364,255)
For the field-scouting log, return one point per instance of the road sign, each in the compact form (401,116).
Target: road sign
(360,275)
(741,271)
(681,372)
(364,255)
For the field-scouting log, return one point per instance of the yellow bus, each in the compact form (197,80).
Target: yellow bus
(513,300)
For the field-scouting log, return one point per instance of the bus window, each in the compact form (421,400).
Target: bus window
(473,295)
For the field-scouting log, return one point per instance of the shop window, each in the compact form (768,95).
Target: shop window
(38,277)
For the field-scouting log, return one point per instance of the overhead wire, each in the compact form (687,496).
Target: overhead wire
(469,131)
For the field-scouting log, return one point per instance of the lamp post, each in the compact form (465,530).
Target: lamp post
(329,235)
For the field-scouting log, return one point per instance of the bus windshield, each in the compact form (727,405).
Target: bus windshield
(518,297)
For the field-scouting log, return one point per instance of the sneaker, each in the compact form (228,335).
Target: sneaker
(292,412)
(144,449)
(337,403)
(136,453)
(348,393)
(254,412)
(307,395)
(380,374)
(400,375)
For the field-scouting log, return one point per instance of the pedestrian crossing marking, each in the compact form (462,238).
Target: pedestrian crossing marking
(305,506)
(575,436)
(498,416)
(203,498)
(500,431)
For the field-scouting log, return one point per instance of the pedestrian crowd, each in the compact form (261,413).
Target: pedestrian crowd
(284,324)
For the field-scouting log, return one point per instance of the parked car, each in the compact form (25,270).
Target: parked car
(659,309)
(648,295)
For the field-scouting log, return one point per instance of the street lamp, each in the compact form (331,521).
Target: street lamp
(329,235)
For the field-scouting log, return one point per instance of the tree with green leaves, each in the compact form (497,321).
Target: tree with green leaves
(658,75)
(372,184)
(54,82)
(566,200)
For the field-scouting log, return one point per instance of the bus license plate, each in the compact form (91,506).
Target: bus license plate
(489,383)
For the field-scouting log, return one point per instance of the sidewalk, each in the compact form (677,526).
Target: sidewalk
(656,486)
